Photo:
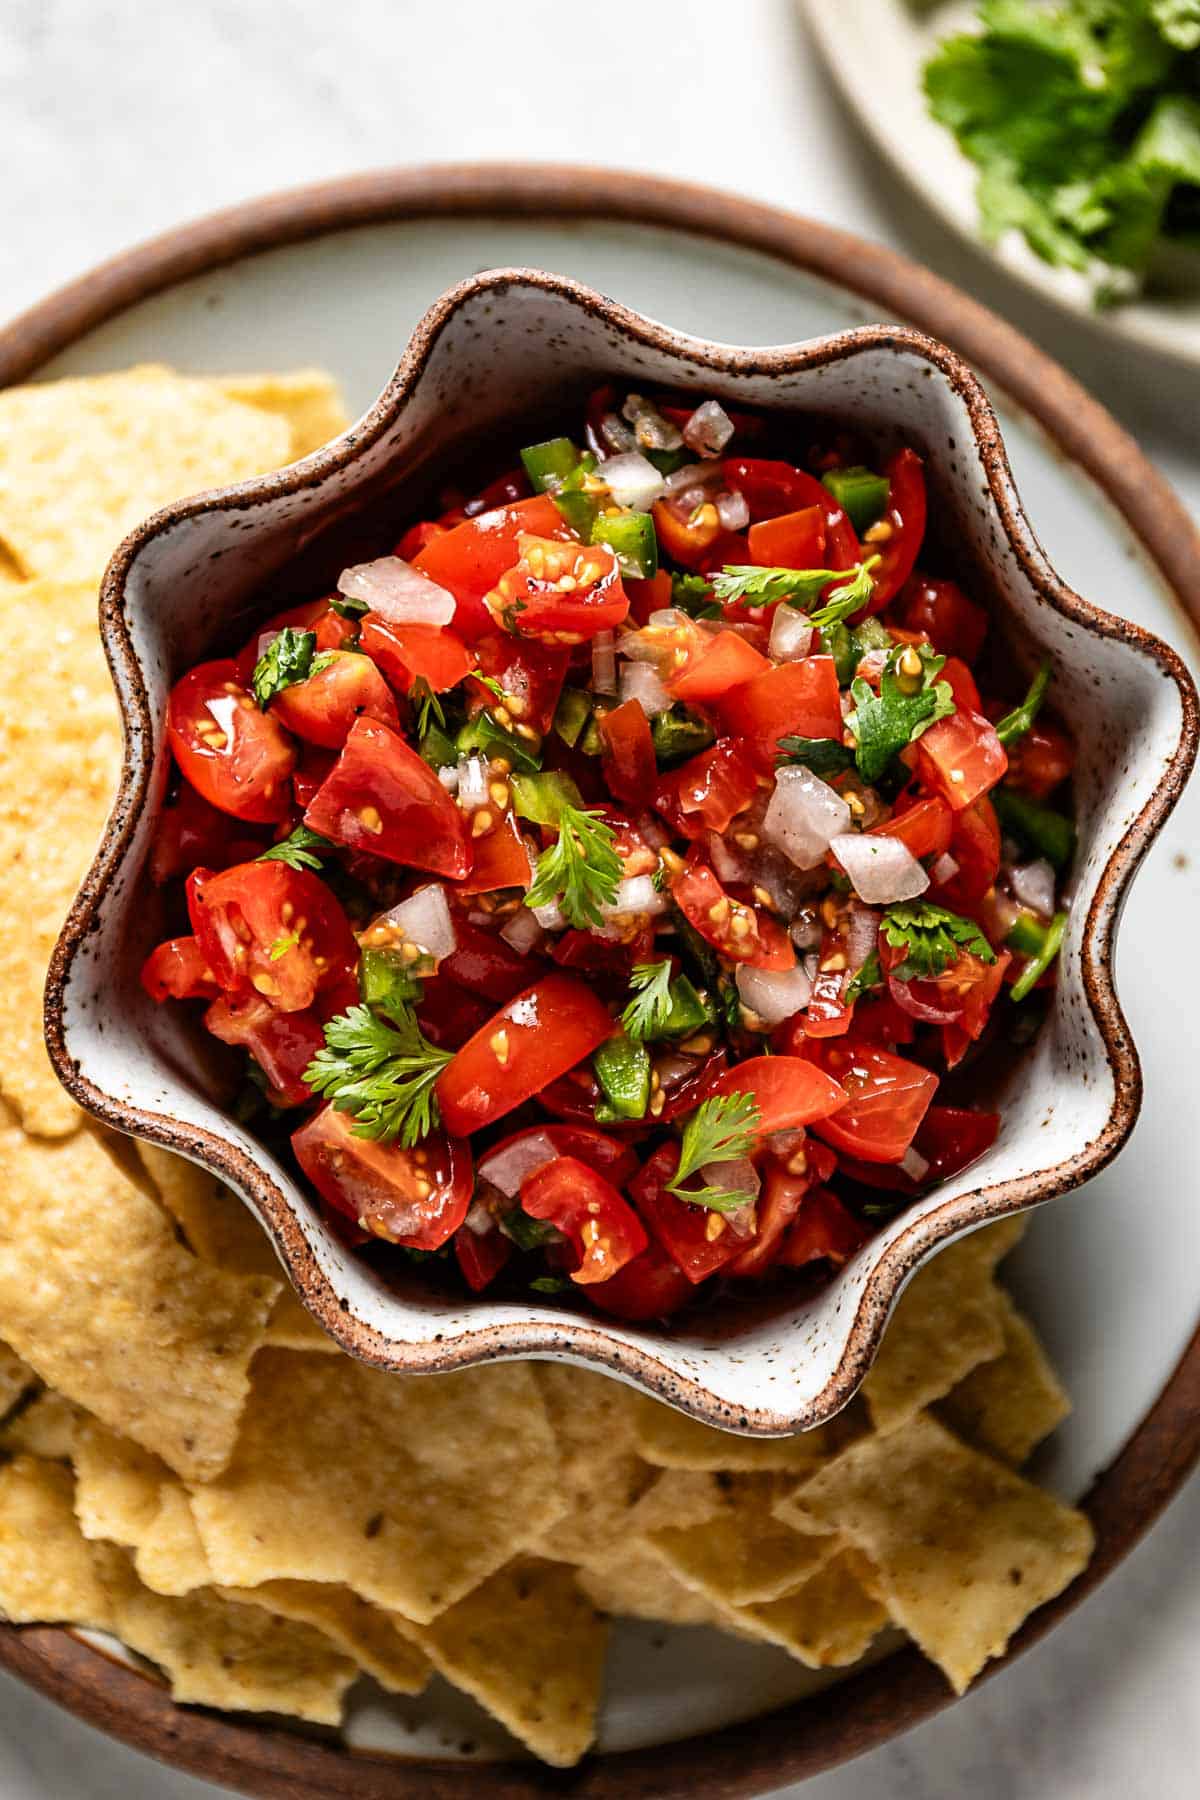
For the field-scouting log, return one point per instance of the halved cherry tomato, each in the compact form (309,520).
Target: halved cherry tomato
(322,709)
(887,1098)
(744,933)
(981,982)
(708,791)
(575,1097)
(686,1232)
(954,625)
(607,1155)
(282,1044)
(878,1020)
(408,653)
(652,1286)
(531,676)
(513,485)
(975,847)
(536,1037)
(501,860)
(380,797)
(177,970)
(604,1231)
(771,488)
(630,764)
(960,758)
(331,629)
(448,1014)
(470,559)
(789,1091)
(923,827)
(950,1139)
(686,541)
(826,1014)
(237,758)
(797,697)
(718,663)
(649,596)
(312,771)
(1041,760)
(266,929)
(483,964)
(823,1231)
(191,832)
(905,514)
(778,1204)
(481,1255)
(417,1197)
(794,540)
(530,600)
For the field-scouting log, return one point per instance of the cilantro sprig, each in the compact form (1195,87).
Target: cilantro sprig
(1016,723)
(647,1013)
(381,1071)
(429,708)
(869,976)
(301,849)
(581,870)
(823,756)
(287,659)
(761,587)
(932,938)
(906,705)
(723,1129)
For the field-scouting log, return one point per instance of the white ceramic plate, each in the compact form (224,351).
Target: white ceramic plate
(1112,1273)
(876,50)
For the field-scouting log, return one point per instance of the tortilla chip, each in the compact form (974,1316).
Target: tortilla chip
(60,756)
(308,399)
(626,1577)
(409,1489)
(117,1485)
(16,1380)
(740,1555)
(364,1632)
(962,1548)
(121,1318)
(45,1427)
(672,1440)
(222,1230)
(600,1475)
(46,1568)
(529,1647)
(829,1622)
(947,1321)
(1007,1406)
(83,461)
(170,1558)
(219,1652)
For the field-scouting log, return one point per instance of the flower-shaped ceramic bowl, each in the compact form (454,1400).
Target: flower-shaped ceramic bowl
(189,583)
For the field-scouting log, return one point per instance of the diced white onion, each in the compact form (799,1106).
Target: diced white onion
(632,480)
(616,433)
(522,931)
(804,816)
(1033,884)
(653,431)
(424,919)
(862,934)
(709,429)
(733,511)
(506,1169)
(735,1177)
(448,776)
(397,592)
(640,681)
(479,1220)
(692,475)
(805,931)
(774,994)
(550,916)
(791,635)
(727,864)
(914,1164)
(604,663)
(943,870)
(472,782)
(638,894)
(882,869)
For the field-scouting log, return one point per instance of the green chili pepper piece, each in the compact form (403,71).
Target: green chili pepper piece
(1027,936)
(1033,971)
(548,463)
(572,714)
(679,733)
(632,539)
(622,1068)
(860,493)
(1051,834)
(387,984)
(438,749)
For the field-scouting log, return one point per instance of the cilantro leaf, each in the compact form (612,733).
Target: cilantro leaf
(1016,723)
(382,1072)
(551,1284)
(581,870)
(648,1012)
(301,849)
(283,944)
(428,707)
(287,659)
(763,586)
(932,938)
(824,756)
(694,595)
(346,608)
(723,1129)
(869,976)
(906,705)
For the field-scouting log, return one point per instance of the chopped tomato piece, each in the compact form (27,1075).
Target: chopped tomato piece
(470,559)
(481,1255)
(447,1014)
(630,764)
(797,698)
(923,826)
(530,675)
(531,600)
(698,1241)
(484,964)
(962,685)
(954,625)
(282,1044)
(905,514)
(745,933)
(501,860)
(686,541)
(961,758)
(607,1155)
(788,1090)
(717,664)
(236,757)
(604,1231)
(823,1231)
(976,985)
(191,832)
(975,847)
(778,1204)
(177,970)
(418,1197)
(708,791)
(536,1037)
(794,540)
(1041,760)
(771,488)
(416,538)
(408,653)
(322,709)
(886,1099)
(652,1286)
(950,1139)
(380,797)
(271,930)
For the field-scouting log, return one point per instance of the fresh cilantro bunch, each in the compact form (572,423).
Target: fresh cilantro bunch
(1084,121)
(932,938)
(906,705)
(382,1071)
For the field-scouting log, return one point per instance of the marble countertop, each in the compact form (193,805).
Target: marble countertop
(119,120)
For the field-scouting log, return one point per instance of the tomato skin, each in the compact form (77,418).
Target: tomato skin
(501,860)
(419,824)
(481,1255)
(379,1185)
(485,965)
(629,765)
(282,1044)
(322,709)
(247,772)
(924,827)
(718,664)
(789,1091)
(242,915)
(950,1139)
(887,1097)
(960,758)
(447,1014)
(823,1231)
(954,625)
(1041,760)
(603,1228)
(975,847)
(962,685)
(610,1158)
(649,1287)
(983,982)
(800,698)
(698,894)
(680,1228)
(177,970)
(905,513)
(408,653)
(771,488)
(192,831)
(530,674)
(548,1029)
(470,559)
(528,600)
(794,540)
(708,791)
(778,1203)
(416,538)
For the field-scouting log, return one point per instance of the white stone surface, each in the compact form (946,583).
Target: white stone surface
(120,119)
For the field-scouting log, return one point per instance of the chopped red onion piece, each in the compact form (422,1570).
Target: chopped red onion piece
(506,1169)
(733,511)
(653,431)
(616,434)
(735,1176)
(632,480)
(791,635)
(943,870)
(709,429)
(1033,885)
(914,1165)
(774,994)
(424,919)
(522,931)
(397,592)
(692,475)
(550,916)
(804,816)
(862,934)
(882,869)
(640,681)
(604,663)
(479,1221)
(448,776)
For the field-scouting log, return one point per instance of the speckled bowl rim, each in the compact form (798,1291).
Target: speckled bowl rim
(588,1338)
(807,1736)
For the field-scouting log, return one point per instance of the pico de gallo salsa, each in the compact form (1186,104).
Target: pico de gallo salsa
(610,887)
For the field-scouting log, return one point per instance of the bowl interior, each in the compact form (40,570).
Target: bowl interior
(193,586)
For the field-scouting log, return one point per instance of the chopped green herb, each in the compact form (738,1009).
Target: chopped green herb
(490,683)
(437,749)
(932,938)
(527,1233)
(386,984)
(283,944)
(346,608)
(301,849)
(799,587)
(551,1284)
(581,870)
(430,711)
(649,1010)
(540,798)
(1026,935)
(1016,723)
(824,756)
(692,594)
(886,722)
(723,1129)
(483,733)
(383,1072)
(287,659)
(863,980)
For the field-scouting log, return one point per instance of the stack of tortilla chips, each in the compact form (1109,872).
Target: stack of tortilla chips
(189,1464)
